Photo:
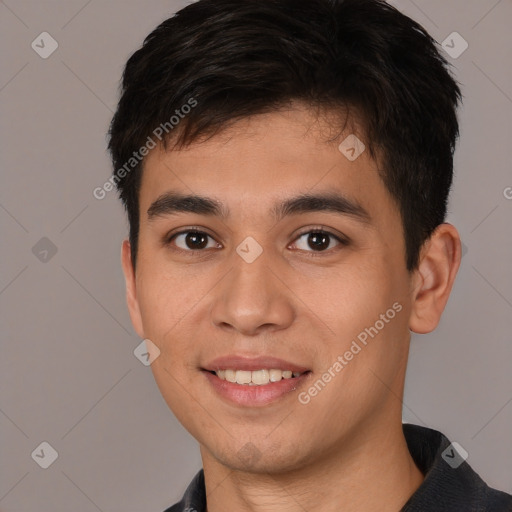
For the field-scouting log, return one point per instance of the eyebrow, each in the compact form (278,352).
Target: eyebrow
(172,203)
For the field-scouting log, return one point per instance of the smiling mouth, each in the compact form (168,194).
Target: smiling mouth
(261,377)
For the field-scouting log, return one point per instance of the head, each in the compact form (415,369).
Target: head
(233,123)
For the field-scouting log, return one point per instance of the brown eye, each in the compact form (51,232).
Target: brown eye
(191,240)
(318,241)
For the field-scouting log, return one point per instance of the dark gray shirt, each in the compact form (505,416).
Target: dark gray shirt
(450,484)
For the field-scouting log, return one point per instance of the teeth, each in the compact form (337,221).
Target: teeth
(230,375)
(276,375)
(255,378)
(243,377)
(260,377)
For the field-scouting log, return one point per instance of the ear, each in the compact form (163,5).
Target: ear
(131,288)
(433,279)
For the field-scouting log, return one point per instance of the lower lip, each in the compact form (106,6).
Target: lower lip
(253,396)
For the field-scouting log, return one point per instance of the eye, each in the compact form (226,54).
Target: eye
(192,240)
(318,240)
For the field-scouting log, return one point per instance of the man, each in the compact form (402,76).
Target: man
(285,166)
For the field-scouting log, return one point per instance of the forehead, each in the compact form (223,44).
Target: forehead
(259,159)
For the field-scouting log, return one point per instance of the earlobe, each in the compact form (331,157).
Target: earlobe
(433,279)
(131,288)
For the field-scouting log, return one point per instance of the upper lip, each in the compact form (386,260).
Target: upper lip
(252,364)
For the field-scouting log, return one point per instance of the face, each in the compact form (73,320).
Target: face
(288,257)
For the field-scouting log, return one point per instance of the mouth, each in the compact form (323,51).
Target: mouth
(253,382)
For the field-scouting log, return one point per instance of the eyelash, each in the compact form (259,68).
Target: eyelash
(317,230)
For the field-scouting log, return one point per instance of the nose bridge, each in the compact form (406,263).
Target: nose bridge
(251,295)
(252,282)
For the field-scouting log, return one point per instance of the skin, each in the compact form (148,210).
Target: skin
(345,449)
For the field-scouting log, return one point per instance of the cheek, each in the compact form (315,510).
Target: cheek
(360,312)
(163,301)
(172,306)
(346,298)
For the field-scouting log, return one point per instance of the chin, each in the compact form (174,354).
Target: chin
(269,460)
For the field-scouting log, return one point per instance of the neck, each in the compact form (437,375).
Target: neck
(373,472)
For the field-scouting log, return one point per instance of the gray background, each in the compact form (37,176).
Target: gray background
(68,372)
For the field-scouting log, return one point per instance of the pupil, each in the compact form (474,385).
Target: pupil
(318,241)
(196,240)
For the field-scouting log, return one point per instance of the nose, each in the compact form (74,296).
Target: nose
(253,298)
